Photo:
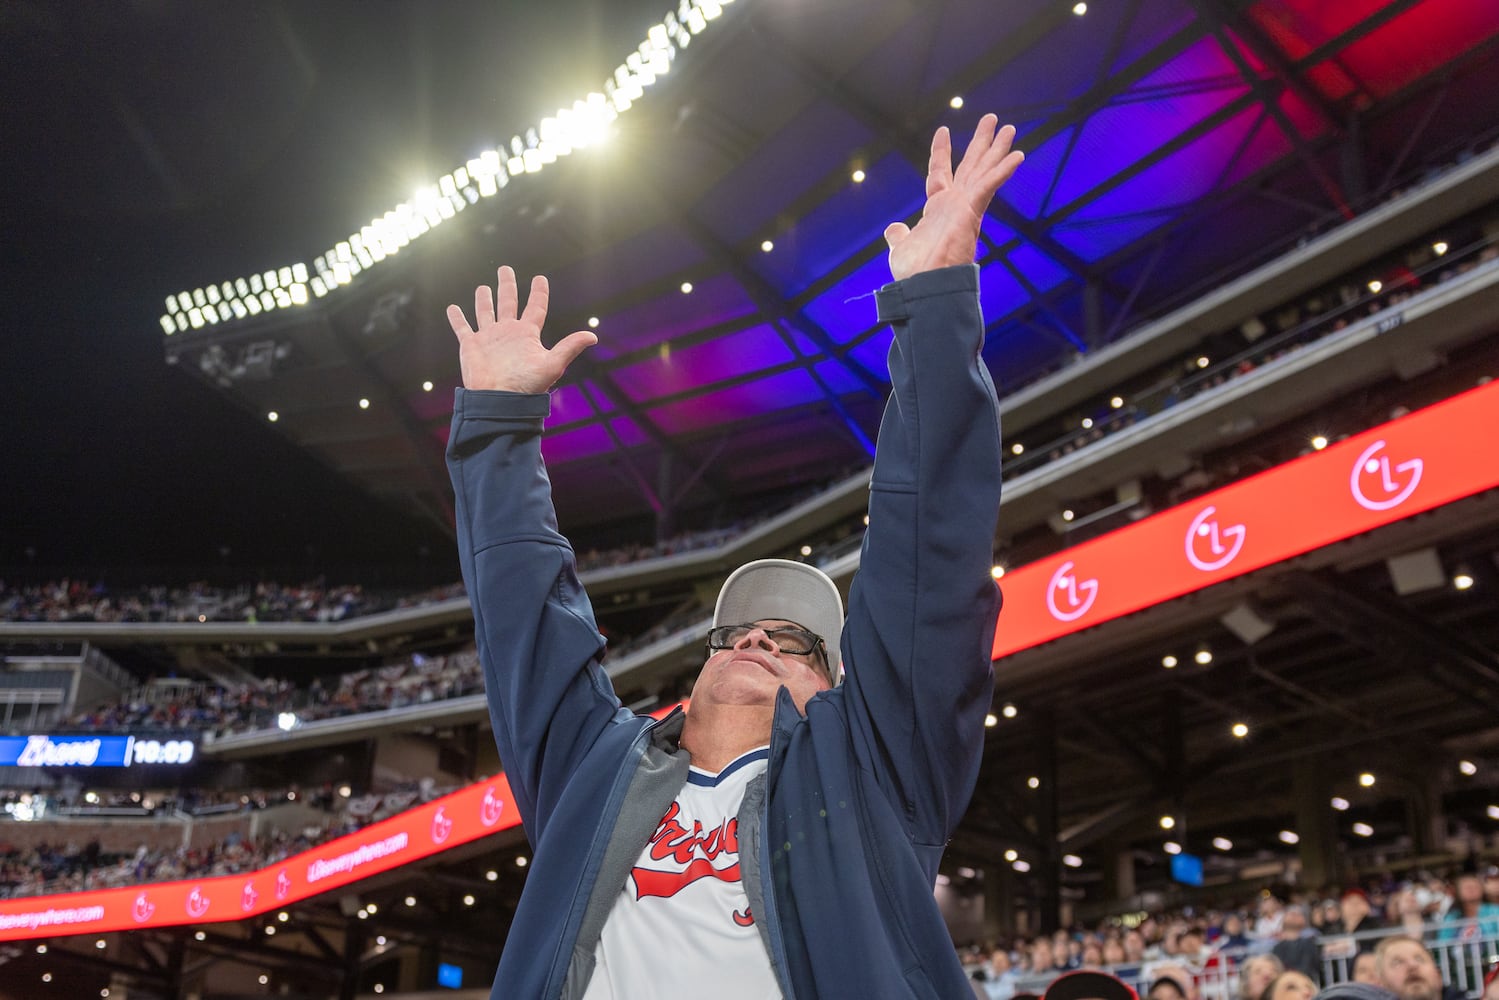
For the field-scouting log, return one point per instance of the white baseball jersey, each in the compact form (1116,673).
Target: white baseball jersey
(682,925)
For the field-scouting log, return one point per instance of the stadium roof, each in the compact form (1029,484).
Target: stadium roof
(1169,143)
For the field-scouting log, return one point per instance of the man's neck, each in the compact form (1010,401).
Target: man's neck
(716,735)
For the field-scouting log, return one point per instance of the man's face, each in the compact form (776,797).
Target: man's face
(1166,989)
(754,669)
(1408,971)
(1469,889)
(1366,969)
(999,961)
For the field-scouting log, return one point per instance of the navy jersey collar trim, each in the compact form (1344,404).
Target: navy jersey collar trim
(696,776)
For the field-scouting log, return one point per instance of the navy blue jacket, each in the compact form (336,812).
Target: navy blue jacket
(840,839)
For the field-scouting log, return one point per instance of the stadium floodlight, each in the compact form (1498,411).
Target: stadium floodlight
(586,122)
(287,721)
(168,325)
(195,317)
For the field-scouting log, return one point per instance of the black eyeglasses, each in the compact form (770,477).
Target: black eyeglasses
(787,639)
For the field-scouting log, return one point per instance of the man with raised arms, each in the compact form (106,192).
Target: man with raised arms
(781,837)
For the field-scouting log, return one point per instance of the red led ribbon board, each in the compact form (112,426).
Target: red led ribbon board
(1413,464)
(477,811)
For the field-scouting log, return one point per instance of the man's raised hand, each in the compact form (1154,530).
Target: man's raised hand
(955,200)
(504,351)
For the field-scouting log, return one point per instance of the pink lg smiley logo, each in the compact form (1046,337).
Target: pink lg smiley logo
(1068,599)
(1375,482)
(1211,547)
(491,807)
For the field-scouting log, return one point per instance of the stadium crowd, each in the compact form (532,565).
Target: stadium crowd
(78,858)
(1273,947)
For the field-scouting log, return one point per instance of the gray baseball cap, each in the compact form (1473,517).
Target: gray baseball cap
(789,591)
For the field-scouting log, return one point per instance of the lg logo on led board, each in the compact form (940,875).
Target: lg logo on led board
(1211,547)
(1067,598)
(1377,484)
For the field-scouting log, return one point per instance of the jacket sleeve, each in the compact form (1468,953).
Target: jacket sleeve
(549,697)
(923,606)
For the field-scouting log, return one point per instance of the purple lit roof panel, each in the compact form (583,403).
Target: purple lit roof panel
(1268,144)
(844,224)
(1039,269)
(848,307)
(590,439)
(1060,68)
(996,232)
(1026,191)
(711,361)
(740,402)
(1153,25)
(1177,181)
(1092,239)
(570,405)
(838,378)
(1122,134)
(671,314)
(999,292)
(874,353)
(813,145)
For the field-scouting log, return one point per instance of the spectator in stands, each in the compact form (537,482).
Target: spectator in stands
(1407,969)
(1366,969)
(1405,912)
(1267,924)
(1168,988)
(1470,916)
(1491,884)
(1134,947)
(1044,957)
(999,983)
(1297,947)
(1232,934)
(1357,917)
(1257,974)
(1290,985)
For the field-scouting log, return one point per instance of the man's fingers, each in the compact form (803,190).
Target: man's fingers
(939,165)
(483,306)
(574,344)
(999,148)
(983,139)
(536,302)
(895,233)
(459,322)
(509,295)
